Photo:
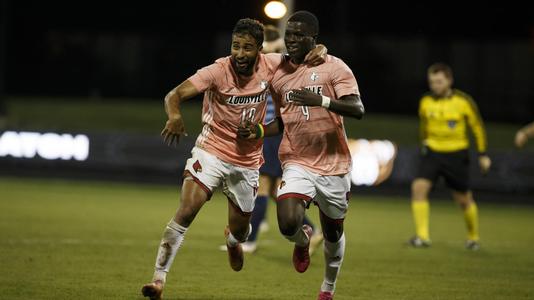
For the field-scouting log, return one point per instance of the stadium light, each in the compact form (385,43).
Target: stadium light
(275,9)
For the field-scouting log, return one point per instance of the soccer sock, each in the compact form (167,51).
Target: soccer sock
(421,212)
(333,256)
(232,241)
(471,220)
(258,214)
(171,241)
(299,238)
(307,221)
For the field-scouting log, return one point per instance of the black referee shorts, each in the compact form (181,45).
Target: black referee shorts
(452,166)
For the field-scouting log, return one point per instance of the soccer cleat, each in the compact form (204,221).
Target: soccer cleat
(472,245)
(235,254)
(301,254)
(153,290)
(417,242)
(316,240)
(323,295)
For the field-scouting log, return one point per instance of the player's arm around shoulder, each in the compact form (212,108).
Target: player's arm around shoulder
(174,127)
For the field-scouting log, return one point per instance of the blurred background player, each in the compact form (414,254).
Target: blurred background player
(314,153)
(523,135)
(271,171)
(445,114)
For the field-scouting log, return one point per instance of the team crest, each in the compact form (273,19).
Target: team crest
(451,124)
(197,167)
(314,76)
(263,84)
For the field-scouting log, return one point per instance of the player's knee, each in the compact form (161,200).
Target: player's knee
(288,226)
(332,235)
(419,190)
(464,199)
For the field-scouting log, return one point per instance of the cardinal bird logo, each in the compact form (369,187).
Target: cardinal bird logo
(197,167)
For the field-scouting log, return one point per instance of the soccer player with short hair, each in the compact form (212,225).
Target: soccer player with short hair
(315,157)
(445,114)
(271,170)
(235,89)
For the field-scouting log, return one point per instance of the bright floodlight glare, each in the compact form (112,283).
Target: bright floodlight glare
(275,9)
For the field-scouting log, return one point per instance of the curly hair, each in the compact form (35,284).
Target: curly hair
(251,27)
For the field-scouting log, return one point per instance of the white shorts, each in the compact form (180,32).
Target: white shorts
(240,184)
(330,193)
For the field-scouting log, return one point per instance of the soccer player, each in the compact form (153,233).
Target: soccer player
(314,154)
(271,171)
(445,113)
(235,89)
(523,135)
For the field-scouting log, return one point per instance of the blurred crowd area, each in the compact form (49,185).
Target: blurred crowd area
(97,50)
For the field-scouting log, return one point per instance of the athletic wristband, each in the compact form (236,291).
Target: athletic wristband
(260,131)
(326,102)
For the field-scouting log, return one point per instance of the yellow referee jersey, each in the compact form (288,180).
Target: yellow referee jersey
(444,122)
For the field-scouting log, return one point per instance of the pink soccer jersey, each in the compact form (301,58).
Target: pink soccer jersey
(228,101)
(314,137)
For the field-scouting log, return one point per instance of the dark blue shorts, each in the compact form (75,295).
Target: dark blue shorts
(271,167)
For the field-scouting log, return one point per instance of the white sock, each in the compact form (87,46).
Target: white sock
(299,238)
(333,256)
(171,241)
(232,241)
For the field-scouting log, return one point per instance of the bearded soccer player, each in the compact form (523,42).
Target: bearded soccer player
(314,154)
(445,115)
(235,89)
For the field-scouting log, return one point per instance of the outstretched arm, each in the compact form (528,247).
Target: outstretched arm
(523,134)
(349,105)
(175,124)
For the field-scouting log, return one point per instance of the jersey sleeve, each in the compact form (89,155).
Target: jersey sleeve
(476,124)
(422,120)
(206,78)
(343,81)
(277,101)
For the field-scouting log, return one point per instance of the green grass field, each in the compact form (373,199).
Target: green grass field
(96,240)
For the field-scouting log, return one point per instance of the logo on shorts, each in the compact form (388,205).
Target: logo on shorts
(197,167)
(314,76)
(282,183)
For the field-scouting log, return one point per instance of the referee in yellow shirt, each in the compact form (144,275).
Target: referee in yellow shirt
(445,114)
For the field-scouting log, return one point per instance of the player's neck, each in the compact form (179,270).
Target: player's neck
(447,94)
